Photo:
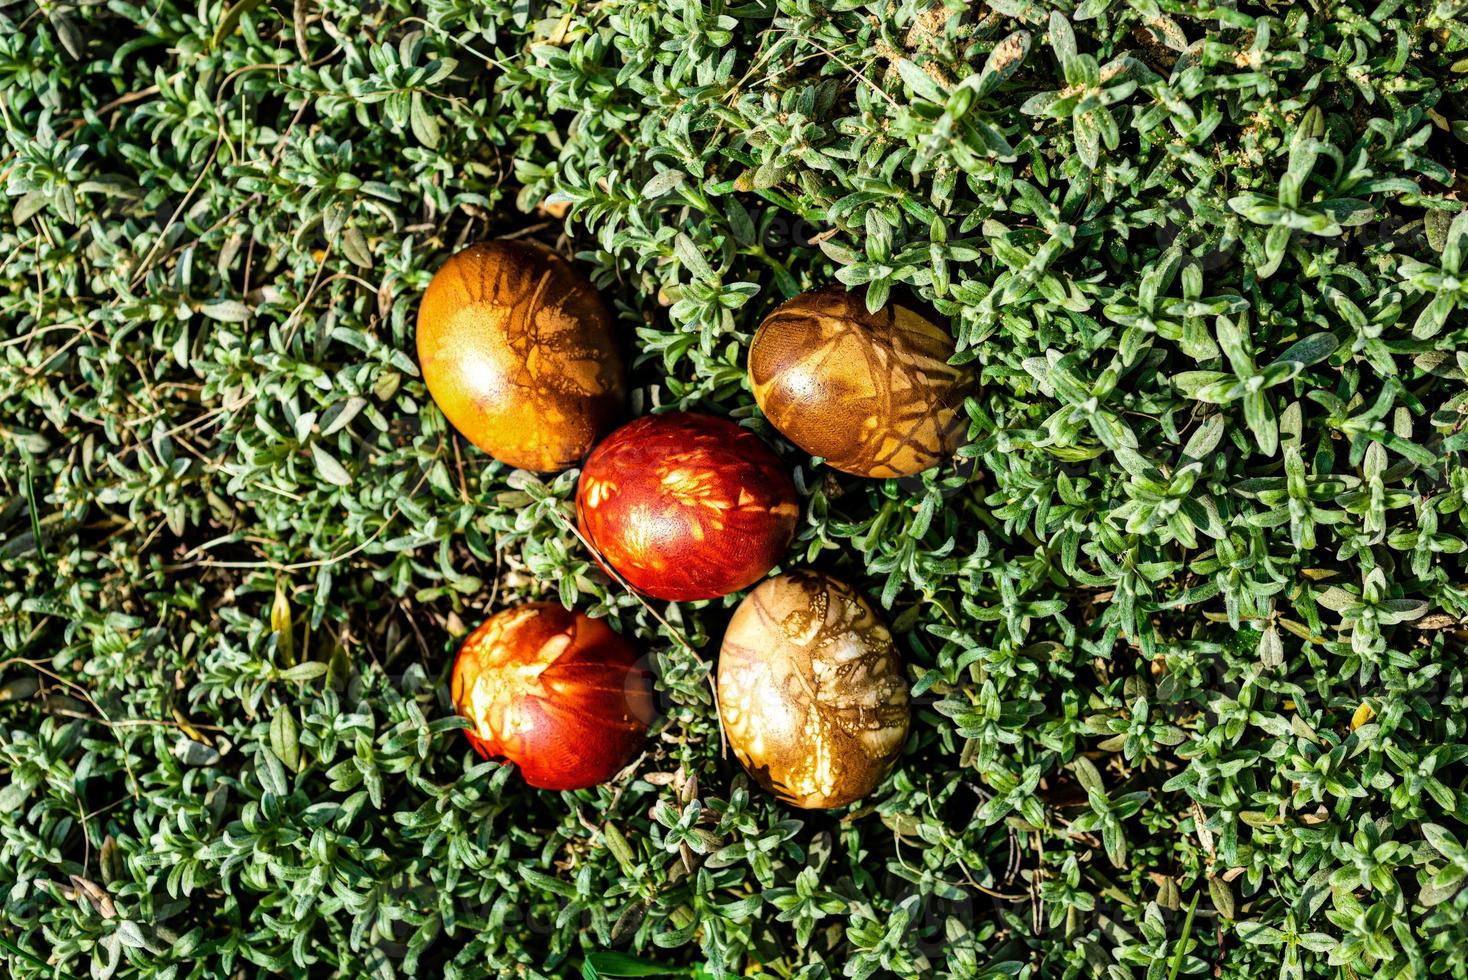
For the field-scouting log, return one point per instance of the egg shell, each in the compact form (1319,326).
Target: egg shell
(687,506)
(811,690)
(517,350)
(554,691)
(871,393)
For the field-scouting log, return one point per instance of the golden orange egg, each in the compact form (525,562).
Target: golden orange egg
(871,393)
(517,349)
(811,691)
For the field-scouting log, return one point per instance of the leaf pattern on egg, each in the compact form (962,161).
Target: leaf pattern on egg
(811,690)
(871,393)
(517,350)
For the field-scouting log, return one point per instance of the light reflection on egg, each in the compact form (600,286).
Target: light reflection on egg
(871,393)
(556,692)
(687,506)
(517,350)
(811,691)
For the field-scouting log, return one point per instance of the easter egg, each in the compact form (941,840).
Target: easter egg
(517,350)
(554,691)
(686,506)
(811,691)
(871,393)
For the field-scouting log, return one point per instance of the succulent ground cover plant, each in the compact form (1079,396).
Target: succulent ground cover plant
(1184,621)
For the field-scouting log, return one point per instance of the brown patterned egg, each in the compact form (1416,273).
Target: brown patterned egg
(872,393)
(516,348)
(811,691)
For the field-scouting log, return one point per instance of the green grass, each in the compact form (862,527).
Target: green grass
(1185,622)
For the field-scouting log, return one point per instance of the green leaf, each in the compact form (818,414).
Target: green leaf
(1455,243)
(285,739)
(301,673)
(1259,934)
(1222,896)
(425,128)
(547,883)
(920,82)
(227,311)
(230,22)
(1443,841)
(271,773)
(1309,350)
(328,468)
(609,964)
(1006,59)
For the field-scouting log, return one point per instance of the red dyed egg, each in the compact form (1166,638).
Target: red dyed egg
(554,691)
(687,506)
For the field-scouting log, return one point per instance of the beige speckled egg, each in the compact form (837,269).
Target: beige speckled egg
(872,393)
(811,691)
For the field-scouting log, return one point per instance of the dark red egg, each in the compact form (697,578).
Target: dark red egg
(554,691)
(687,506)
